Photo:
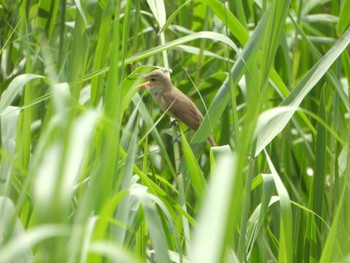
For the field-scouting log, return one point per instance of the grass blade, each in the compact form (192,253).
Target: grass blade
(297,95)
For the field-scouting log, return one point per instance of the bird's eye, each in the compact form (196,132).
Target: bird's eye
(152,79)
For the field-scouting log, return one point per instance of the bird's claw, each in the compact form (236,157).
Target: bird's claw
(176,139)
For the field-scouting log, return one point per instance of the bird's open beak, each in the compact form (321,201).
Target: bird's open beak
(144,85)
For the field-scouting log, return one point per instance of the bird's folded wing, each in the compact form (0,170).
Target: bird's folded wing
(183,109)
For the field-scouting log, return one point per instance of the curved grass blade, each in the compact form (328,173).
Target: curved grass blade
(15,88)
(203,34)
(249,54)
(209,244)
(158,10)
(197,179)
(297,95)
(286,227)
(172,16)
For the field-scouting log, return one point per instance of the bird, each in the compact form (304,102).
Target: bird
(172,100)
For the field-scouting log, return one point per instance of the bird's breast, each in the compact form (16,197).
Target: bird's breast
(163,103)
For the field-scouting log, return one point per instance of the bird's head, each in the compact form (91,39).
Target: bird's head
(157,79)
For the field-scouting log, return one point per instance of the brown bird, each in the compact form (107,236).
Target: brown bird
(173,101)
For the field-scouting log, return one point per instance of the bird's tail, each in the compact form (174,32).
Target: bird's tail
(212,141)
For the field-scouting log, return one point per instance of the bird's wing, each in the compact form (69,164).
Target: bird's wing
(183,109)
